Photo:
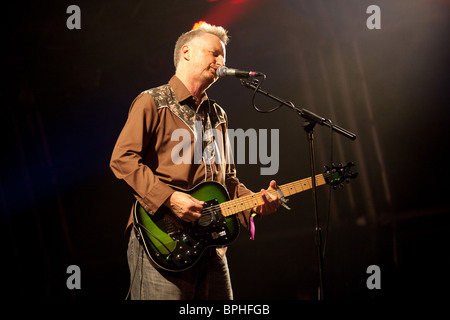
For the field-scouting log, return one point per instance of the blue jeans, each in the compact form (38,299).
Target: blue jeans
(208,279)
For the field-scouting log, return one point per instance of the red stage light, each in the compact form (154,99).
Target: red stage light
(198,24)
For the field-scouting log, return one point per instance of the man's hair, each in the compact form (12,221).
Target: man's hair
(219,32)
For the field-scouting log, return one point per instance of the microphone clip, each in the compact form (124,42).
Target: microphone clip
(252,85)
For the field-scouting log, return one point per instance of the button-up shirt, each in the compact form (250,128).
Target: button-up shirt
(169,140)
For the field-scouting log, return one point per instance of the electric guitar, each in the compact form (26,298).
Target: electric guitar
(175,245)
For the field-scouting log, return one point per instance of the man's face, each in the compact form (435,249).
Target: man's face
(207,54)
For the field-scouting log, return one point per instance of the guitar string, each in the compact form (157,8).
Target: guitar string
(241,204)
(238,205)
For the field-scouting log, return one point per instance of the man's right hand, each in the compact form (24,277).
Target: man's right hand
(184,206)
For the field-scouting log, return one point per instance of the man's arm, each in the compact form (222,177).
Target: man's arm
(127,157)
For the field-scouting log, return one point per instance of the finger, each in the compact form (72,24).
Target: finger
(189,216)
(272,184)
(197,205)
(272,187)
(192,216)
(269,197)
(195,210)
(271,202)
(265,206)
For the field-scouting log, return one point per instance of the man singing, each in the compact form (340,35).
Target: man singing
(143,158)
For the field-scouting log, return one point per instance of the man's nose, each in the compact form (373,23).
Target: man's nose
(220,61)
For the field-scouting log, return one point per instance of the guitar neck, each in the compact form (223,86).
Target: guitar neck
(232,207)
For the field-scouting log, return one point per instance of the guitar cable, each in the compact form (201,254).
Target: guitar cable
(141,247)
(136,223)
(151,233)
(135,269)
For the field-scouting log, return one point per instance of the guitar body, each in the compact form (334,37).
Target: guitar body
(175,245)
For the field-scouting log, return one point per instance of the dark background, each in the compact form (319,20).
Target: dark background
(65,98)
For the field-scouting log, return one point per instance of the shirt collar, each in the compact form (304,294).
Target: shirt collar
(181,92)
(184,97)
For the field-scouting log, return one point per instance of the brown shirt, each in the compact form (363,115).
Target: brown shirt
(151,152)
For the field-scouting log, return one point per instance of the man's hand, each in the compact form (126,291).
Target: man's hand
(184,206)
(270,200)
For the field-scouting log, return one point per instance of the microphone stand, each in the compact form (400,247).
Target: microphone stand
(311,120)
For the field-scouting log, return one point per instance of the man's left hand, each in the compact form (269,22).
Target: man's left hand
(271,202)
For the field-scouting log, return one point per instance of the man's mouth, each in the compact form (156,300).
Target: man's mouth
(214,71)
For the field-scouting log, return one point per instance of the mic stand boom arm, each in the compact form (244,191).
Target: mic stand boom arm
(308,115)
(311,120)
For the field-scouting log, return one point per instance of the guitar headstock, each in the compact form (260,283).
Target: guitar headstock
(336,175)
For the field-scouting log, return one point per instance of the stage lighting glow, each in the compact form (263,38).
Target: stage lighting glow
(198,24)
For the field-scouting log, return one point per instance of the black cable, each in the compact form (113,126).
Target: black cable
(254,96)
(151,233)
(141,251)
(137,223)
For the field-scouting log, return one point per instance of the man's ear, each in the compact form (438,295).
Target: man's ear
(186,52)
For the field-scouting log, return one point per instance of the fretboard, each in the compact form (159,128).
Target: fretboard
(231,207)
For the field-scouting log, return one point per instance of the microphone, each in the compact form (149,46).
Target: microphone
(223,72)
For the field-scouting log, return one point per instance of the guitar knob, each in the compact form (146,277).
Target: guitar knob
(191,253)
(186,240)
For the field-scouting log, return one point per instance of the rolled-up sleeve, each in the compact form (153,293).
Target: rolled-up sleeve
(127,160)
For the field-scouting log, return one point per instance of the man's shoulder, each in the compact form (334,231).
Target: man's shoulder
(150,99)
(160,90)
(162,95)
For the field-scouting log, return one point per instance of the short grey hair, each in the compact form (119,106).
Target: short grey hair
(219,32)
